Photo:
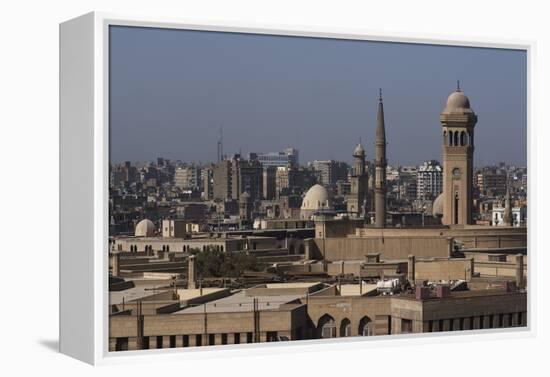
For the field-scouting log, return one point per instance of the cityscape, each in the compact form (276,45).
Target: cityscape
(265,245)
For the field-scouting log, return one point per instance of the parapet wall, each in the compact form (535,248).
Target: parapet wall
(356,248)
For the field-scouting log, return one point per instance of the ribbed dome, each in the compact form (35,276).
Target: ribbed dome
(359,150)
(145,228)
(437,206)
(316,198)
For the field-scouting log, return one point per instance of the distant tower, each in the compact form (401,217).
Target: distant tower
(507,216)
(357,200)
(380,166)
(458,121)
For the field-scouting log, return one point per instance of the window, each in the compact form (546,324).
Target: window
(249,337)
(406,326)
(211,339)
(159,342)
(482,322)
(271,336)
(224,338)
(326,327)
(172,341)
(345,328)
(186,340)
(121,344)
(237,337)
(198,340)
(145,343)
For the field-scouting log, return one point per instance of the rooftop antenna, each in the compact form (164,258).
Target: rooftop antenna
(458,85)
(220,145)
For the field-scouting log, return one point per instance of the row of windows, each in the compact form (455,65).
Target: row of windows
(482,322)
(149,342)
(327,327)
(456,138)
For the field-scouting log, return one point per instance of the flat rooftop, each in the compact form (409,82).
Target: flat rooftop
(355,289)
(135,293)
(188,294)
(239,302)
(290,285)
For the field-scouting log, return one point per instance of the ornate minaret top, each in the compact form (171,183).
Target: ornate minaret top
(380,166)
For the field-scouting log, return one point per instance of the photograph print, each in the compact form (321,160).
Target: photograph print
(273,188)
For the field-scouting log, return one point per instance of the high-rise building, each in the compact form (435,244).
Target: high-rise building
(188,177)
(233,177)
(492,182)
(330,171)
(286,158)
(269,178)
(429,180)
(458,121)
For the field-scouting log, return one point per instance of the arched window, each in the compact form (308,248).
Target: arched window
(456,139)
(326,327)
(345,328)
(450,143)
(445,137)
(366,326)
(462,138)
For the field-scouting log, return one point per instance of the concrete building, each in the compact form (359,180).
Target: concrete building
(429,180)
(286,158)
(330,171)
(233,177)
(188,178)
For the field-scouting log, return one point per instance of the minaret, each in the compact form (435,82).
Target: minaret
(457,122)
(357,200)
(380,166)
(507,216)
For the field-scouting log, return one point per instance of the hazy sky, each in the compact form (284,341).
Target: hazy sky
(171,90)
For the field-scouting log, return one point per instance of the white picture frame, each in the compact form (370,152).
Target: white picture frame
(84,190)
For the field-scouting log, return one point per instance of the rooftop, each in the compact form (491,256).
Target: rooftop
(239,302)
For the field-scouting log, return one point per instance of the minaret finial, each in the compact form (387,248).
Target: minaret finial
(458,85)
(380,94)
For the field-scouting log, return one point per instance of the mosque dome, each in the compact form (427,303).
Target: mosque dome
(316,198)
(359,150)
(437,206)
(457,102)
(145,228)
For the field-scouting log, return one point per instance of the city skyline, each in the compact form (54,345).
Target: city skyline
(330,100)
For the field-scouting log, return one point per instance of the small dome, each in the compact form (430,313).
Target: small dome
(437,206)
(359,150)
(316,198)
(145,228)
(457,102)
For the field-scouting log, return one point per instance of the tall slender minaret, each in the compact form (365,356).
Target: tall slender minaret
(507,216)
(380,166)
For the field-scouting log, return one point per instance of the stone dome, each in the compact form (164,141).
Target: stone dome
(359,150)
(437,206)
(316,198)
(145,228)
(457,102)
